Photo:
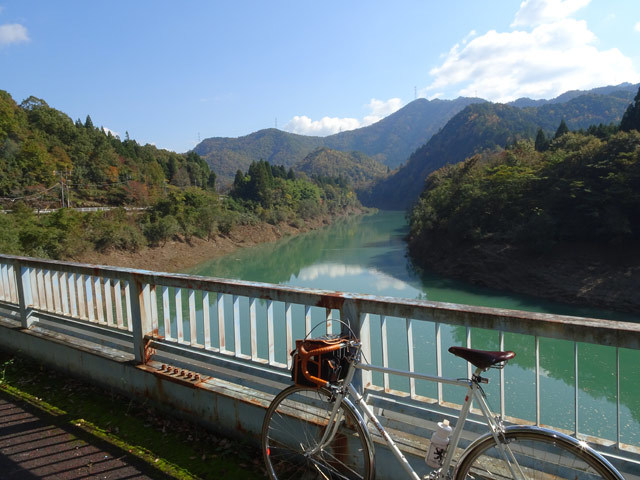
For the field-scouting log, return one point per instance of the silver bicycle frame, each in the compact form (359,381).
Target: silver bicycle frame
(474,392)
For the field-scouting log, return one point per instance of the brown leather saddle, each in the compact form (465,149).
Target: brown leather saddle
(482,358)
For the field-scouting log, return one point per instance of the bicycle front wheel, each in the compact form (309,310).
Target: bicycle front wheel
(533,453)
(293,428)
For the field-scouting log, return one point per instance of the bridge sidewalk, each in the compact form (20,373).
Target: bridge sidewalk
(37,445)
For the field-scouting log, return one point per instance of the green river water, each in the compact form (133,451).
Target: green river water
(367,255)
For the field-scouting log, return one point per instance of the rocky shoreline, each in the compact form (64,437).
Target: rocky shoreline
(579,274)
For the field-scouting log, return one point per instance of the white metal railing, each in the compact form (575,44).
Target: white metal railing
(256,324)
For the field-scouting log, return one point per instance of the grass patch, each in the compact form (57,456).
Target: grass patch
(178,448)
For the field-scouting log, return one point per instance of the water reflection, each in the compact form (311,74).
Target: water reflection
(367,255)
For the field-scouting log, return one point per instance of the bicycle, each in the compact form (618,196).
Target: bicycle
(315,430)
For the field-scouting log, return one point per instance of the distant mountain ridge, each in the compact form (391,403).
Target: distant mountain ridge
(621,90)
(489,125)
(390,141)
(399,137)
(395,137)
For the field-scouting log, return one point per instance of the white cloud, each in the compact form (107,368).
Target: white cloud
(469,36)
(636,27)
(537,12)
(556,55)
(12,33)
(378,109)
(108,130)
(326,126)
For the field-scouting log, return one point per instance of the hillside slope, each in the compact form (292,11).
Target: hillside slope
(390,141)
(359,169)
(394,138)
(228,155)
(487,126)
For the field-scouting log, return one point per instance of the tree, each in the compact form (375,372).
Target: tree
(631,118)
(211,181)
(88,124)
(562,129)
(542,143)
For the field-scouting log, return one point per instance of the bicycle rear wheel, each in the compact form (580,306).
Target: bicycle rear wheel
(539,454)
(293,426)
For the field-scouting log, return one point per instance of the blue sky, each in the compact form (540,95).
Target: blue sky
(171,72)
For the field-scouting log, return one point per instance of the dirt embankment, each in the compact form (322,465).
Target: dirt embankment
(178,255)
(578,274)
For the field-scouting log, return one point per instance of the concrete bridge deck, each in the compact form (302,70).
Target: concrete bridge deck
(35,445)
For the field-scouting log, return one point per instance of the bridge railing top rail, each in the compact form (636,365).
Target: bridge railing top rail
(579,329)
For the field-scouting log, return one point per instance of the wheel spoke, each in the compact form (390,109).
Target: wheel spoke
(538,454)
(294,425)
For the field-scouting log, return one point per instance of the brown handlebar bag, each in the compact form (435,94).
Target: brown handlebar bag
(329,367)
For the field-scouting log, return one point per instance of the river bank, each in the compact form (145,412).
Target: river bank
(179,254)
(578,274)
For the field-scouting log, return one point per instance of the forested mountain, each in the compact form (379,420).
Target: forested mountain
(394,138)
(581,189)
(41,147)
(46,158)
(624,91)
(390,141)
(227,155)
(486,126)
(563,223)
(356,168)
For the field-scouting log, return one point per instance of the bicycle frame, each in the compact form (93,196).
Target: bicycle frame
(474,392)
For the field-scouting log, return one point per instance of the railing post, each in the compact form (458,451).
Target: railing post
(141,324)
(359,323)
(25,301)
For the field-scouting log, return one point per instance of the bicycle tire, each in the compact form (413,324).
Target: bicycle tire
(294,423)
(541,453)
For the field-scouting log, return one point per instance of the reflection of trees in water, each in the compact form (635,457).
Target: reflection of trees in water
(276,262)
(597,363)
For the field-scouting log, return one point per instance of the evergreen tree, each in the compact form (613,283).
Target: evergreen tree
(88,124)
(261,179)
(631,118)
(562,129)
(211,181)
(541,141)
(239,180)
